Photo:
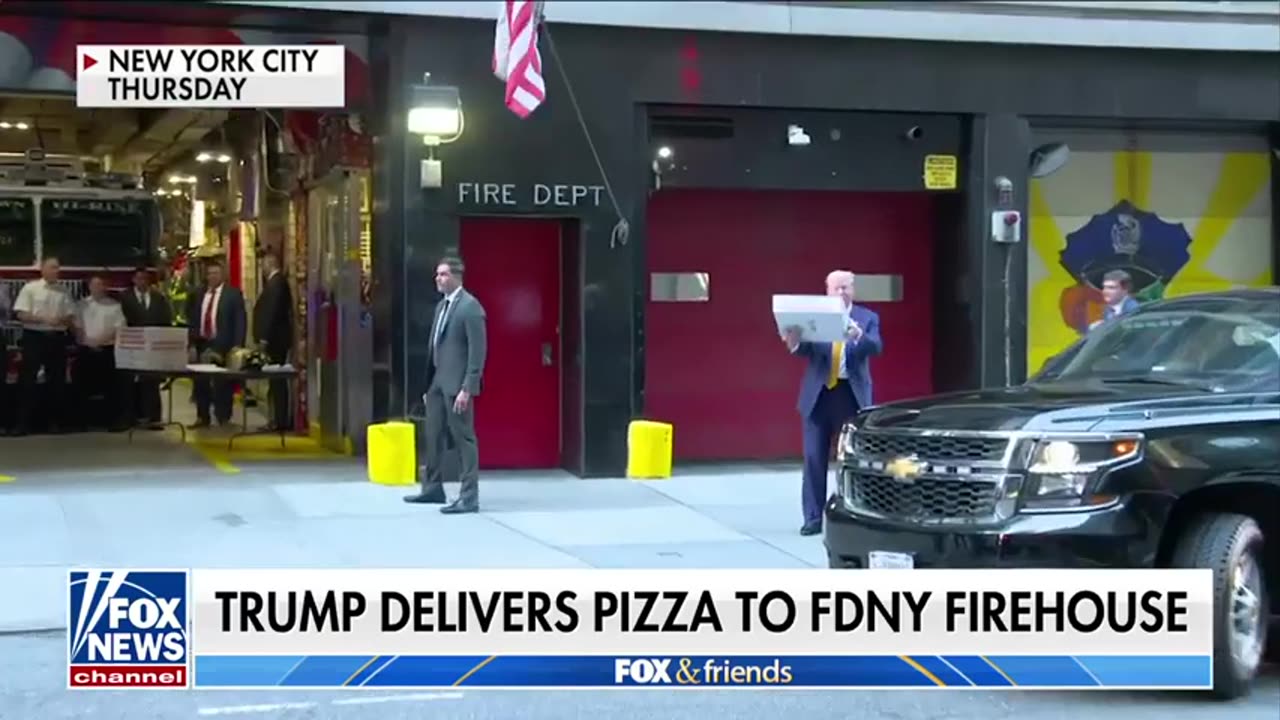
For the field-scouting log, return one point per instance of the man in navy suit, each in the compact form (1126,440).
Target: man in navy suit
(218,321)
(837,383)
(1116,286)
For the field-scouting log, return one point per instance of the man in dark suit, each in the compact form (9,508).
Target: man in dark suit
(145,306)
(273,331)
(836,384)
(217,323)
(455,368)
(1116,286)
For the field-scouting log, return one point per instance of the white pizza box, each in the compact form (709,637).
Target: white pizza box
(821,318)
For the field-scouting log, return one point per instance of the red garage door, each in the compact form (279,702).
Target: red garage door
(716,370)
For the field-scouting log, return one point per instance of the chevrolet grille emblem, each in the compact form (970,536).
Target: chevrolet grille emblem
(905,469)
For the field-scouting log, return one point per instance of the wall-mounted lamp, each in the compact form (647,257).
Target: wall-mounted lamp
(664,159)
(1048,159)
(797,136)
(435,113)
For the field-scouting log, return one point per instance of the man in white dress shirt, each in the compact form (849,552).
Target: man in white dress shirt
(46,313)
(98,319)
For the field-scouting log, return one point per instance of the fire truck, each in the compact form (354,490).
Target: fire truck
(93,222)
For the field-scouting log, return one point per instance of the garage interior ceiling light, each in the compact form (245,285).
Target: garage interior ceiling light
(213,156)
(19,125)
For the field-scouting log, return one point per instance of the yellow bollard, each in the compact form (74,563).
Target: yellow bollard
(392,453)
(649,446)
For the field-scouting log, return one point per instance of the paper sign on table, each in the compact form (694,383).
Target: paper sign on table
(151,348)
(821,318)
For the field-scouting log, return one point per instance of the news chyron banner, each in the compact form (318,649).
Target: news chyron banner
(210,76)
(657,629)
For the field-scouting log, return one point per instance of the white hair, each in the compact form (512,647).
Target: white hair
(837,275)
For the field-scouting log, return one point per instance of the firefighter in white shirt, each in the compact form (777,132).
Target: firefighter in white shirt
(46,313)
(98,319)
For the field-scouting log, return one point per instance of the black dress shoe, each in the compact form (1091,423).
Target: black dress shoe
(812,528)
(458,508)
(436,498)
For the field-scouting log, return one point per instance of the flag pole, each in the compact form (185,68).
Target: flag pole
(622,228)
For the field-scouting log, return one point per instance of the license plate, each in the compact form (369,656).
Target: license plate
(890,561)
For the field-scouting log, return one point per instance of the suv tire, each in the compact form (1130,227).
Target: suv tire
(1231,546)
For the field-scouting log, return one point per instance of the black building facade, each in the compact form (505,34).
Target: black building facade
(975,101)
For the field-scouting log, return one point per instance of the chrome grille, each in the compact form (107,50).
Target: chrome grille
(929,447)
(936,499)
(928,477)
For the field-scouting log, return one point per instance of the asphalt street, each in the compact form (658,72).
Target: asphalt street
(33,688)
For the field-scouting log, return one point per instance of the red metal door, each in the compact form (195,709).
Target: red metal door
(513,267)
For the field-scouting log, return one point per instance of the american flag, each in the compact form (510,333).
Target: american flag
(516,60)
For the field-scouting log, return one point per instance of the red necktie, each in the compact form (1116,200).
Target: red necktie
(206,325)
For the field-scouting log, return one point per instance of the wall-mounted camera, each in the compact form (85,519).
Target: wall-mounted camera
(913,133)
(797,136)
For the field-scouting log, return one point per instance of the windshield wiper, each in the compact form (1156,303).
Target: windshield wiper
(1154,380)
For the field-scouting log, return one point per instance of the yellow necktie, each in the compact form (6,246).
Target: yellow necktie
(837,352)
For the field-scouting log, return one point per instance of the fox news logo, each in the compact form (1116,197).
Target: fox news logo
(127,629)
(642,671)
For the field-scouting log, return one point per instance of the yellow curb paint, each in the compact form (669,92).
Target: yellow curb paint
(7,478)
(217,460)
(225,467)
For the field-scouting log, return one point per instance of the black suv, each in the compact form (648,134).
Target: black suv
(1154,441)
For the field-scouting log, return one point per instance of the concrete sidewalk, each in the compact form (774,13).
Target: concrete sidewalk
(325,515)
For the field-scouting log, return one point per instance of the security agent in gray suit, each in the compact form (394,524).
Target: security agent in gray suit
(455,369)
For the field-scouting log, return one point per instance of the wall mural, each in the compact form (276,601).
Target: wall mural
(1179,222)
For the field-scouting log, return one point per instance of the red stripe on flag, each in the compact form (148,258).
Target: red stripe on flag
(516,57)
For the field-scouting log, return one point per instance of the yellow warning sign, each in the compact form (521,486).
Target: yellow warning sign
(940,172)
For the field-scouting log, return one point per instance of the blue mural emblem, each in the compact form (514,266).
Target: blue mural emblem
(1125,238)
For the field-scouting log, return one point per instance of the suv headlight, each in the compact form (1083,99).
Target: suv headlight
(844,446)
(1063,473)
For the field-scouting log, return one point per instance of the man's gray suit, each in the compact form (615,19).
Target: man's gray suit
(455,362)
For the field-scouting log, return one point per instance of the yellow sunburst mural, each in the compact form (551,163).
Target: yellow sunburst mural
(1181,222)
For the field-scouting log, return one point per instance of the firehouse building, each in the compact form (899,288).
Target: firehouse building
(751,164)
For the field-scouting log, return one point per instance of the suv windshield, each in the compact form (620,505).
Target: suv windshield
(1225,344)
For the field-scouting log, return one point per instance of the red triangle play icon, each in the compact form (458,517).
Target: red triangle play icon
(89,62)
